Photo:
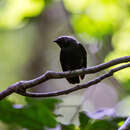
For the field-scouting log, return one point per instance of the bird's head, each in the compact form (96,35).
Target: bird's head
(65,41)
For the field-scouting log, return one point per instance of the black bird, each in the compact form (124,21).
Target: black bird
(72,56)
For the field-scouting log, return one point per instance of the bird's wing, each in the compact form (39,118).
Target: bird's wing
(64,60)
(84,53)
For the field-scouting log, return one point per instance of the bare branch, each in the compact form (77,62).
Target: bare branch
(126,125)
(57,75)
(21,86)
(77,87)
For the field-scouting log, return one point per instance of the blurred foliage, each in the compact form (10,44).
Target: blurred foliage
(94,19)
(91,19)
(90,123)
(38,114)
(13,12)
(35,115)
(68,127)
(123,107)
(15,49)
(121,45)
(12,58)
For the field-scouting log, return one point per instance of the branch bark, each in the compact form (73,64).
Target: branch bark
(126,125)
(21,86)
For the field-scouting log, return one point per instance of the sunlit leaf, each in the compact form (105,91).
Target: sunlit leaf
(16,10)
(92,18)
(121,47)
(76,5)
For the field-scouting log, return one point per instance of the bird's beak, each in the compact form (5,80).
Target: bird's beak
(55,41)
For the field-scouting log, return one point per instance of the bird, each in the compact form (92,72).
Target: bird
(72,56)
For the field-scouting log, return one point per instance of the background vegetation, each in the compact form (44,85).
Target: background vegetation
(27,29)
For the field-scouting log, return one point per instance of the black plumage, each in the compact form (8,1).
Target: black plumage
(72,56)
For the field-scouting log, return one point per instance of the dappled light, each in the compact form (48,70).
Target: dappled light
(15,11)
(121,44)
(93,37)
(97,18)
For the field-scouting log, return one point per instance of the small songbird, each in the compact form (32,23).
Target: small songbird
(72,56)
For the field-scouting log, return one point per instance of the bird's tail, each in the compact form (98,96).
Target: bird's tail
(82,76)
(74,80)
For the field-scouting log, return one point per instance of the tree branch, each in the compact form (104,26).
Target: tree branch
(126,125)
(21,86)
(77,87)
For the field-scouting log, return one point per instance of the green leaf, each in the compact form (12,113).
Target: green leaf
(103,125)
(68,127)
(84,119)
(35,115)
(50,103)
(14,15)
(100,120)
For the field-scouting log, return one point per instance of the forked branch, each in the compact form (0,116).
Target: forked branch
(22,86)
